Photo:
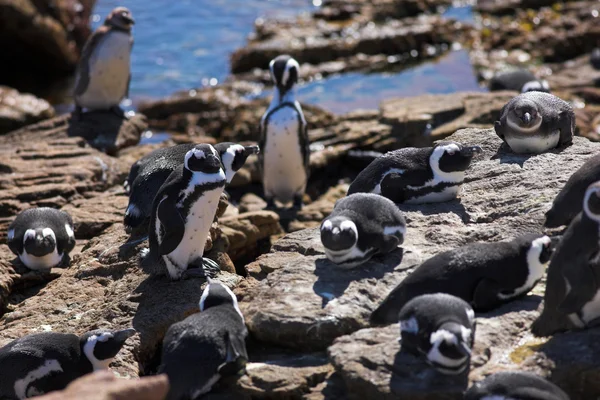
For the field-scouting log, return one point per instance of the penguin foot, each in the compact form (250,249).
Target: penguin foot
(298,202)
(270,204)
(202,268)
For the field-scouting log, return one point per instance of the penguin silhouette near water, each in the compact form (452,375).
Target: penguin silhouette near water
(572,297)
(42,238)
(206,346)
(148,174)
(285,152)
(103,74)
(43,362)
(417,175)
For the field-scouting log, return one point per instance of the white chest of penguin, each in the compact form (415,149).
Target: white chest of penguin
(109,68)
(284,174)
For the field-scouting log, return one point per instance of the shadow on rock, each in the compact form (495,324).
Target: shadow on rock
(526,302)
(333,280)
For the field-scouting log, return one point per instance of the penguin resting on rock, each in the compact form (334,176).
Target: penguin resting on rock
(417,175)
(43,362)
(485,275)
(440,328)
(572,297)
(42,238)
(206,346)
(519,80)
(514,385)
(535,122)
(360,226)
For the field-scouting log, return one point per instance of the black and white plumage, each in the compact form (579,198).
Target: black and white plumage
(485,275)
(284,143)
(182,213)
(42,238)
(535,122)
(572,297)
(103,74)
(440,328)
(43,362)
(569,201)
(595,58)
(515,385)
(361,226)
(519,80)
(417,175)
(206,346)
(148,174)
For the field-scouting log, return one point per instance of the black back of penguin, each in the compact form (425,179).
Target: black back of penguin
(515,385)
(464,273)
(205,346)
(517,80)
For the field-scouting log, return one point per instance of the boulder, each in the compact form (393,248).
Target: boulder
(20,109)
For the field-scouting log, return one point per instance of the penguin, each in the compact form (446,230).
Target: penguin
(42,238)
(595,58)
(205,346)
(285,155)
(519,80)
(572,297)
(182,213)
(103,74)
(515,385)
(148,174)
(569,201)
(361,226)
(441,328)
(535,122)
(417,175)
(43,362)
(486,275)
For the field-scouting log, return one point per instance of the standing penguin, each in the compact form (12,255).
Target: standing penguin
(205,346)
(514,385)
(569,201)
(417,175)
(284,144)
(572,297)
(42,238)
(48,361)
(361,226)
(103,74)
(535,122)
(148,174)
(182,213)
(486,275)
(441,328)
(519,80)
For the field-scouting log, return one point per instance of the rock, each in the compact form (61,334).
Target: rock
(102,129)
(500,7)
(103,385)
(97,212)
(20,109)
(574,74)
(40,40)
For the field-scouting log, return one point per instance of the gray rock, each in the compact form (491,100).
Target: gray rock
(20,109)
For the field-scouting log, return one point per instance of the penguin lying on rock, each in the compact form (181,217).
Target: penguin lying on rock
(440,328)
(148,174)
(417,175)
(535,122)
(206,346)
(519,80)
(43,362)
(485,275)
(515,385)
(361,226)
(572,297)
(42,238)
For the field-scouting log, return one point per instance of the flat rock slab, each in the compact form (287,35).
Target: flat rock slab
(20,109)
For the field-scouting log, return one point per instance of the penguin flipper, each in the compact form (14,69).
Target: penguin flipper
(388,243)
(83,73)
(16,243)
(485,296)
(173,225)
(237,357)
(576,298)
(566,127)
(498,128)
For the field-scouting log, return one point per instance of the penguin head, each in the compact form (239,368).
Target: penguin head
(450,350)
(284,72)
(217,294)
(449,157)
(100,346)
(234,156)
(339,234)
(591,202)
(524,114)
(536,86)
(540,249)
(120,17)
(39,242)
(203,158)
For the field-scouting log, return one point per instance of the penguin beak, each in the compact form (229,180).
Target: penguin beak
(526,118)
(128,19)
(248,150)
(464,349)
(122,335)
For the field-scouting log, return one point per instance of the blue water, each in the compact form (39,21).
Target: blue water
(183,44)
